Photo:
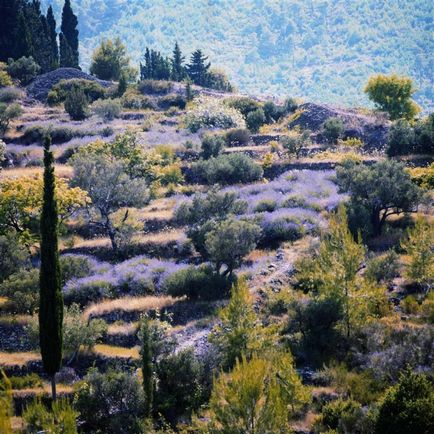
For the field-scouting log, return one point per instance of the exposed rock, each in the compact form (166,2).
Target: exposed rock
(38,89)
(373,130)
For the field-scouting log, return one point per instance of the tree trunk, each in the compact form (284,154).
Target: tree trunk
(376,222)
(53,387)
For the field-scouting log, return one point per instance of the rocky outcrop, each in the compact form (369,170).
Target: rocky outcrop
(373,130)
(38,89)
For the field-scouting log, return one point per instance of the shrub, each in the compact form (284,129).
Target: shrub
(180,391)
(408,404)
(333,129)
(424,131)
(10,94)
(212,145)
(382,268)
(22,291)
(32,380)
(24,69)
(88,290)
(133,100)
(76,104)
(75,267)
(255,120)
(92,89)
(279,229)
(107,109)
(290,105)
(7,114)
(401,139)
(342,415)
(243,104)
(5,78)
(197,283)
(158,87)
(13,255)
(273,112)
(110,402)
(229,169)
(230,241)
(423,176)
(212,113)
(266,205)
(175,100)
(237,137)
(294,142)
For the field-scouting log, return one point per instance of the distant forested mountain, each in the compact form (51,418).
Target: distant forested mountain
(317,49)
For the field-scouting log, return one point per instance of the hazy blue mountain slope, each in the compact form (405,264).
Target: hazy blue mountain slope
(321,50)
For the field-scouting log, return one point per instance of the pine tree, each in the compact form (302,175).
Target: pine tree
(51,301)
(68,37)
(51,24)
(147,367)
(178,70)
(198,68)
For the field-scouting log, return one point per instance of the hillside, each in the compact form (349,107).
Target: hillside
(323,51)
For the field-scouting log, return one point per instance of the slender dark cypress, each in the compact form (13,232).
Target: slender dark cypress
(51,23)
(147,367)
(68,37)
(51,300)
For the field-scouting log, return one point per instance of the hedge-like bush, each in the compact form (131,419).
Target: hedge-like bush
(237,137)
(157,87)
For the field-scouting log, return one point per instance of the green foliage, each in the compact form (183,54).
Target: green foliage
(107,109)
(110,61)
(180,391)
(423,176)
(243,104)
(24,69)
(146,353)
(155,87)
(401,138)
(68,37)
(294,142)
(7,114)
(229,242)
(198,68)
(316,323)
(32,380)
(377,192)
(419,244)
(212,145)
(110,402)
(74,267)
(259,395)
(51,300)
(333,129)
(92,89)
(5,78)
(229,169)
(195,283)
(237,137)
(13,255)
(342,416)
(407,406)
(383,268)
(76,104)
(238,332)
(6,404)
(22,290)
(255,120)
(393,94)
(10,94)
(60,419)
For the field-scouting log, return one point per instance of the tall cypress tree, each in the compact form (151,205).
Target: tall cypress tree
(68,37)
(198,68)
(51,24)
(177,60)
(9,35)
(147,367)
(51,300)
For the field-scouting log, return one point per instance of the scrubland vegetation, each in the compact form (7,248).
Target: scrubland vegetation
(176,257)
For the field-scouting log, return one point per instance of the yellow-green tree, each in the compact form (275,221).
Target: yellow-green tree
(258,396)
(392,94)
(239,331)
(21,203)
(419,245)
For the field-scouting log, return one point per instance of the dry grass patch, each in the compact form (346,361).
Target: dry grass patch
(160,237)
(44,390)
(129,304)
(15,319)
(16,172)
(18,359)
(127,328)
(118,352)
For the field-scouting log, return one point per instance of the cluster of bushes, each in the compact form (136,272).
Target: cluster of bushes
(155,87)
(58,134)
(405,138)
(91,89)
(212,113)
(228,169)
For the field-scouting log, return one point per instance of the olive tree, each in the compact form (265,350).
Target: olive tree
(111,189)
(376,193)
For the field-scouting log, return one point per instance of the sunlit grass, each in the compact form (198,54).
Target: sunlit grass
(118,352)
(18,359)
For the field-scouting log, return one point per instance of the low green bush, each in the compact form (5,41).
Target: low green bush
(255,120)
(333,128)
(26,381)
(228,169)
(237,137)
(197,283)
(10,94)
(107,109)
(212,145)
(157,87)
(172,100)
(76,104)
(24,69)
(92,89)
